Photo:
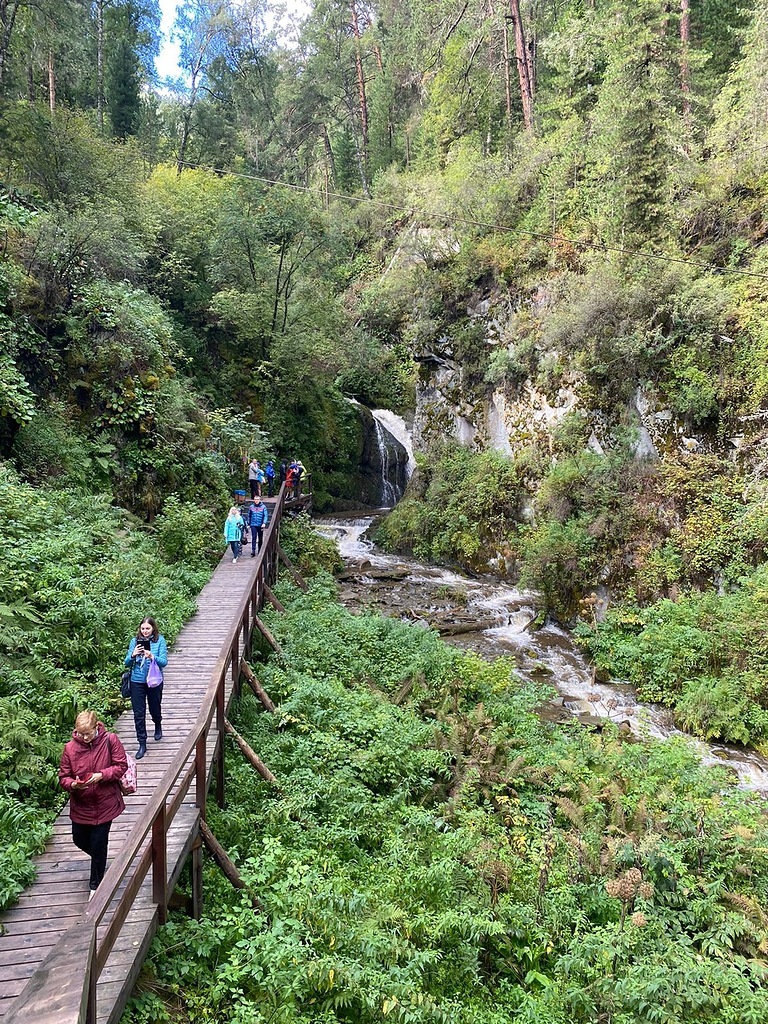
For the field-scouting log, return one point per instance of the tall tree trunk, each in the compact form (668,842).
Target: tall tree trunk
(100,62)
(329,158)
(685,66)
(186,121)
(524,69)
(362,100)
(507,82)
(8,12)
(51,82)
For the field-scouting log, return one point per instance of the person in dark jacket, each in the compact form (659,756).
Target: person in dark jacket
(257,518)
(283,471)
(269,472)
(147,646)
(92,764)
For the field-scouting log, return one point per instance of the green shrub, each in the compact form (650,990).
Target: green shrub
(187,533)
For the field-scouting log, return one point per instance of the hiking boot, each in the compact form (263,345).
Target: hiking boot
(141,751)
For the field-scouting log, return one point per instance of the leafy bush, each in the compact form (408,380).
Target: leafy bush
(186,532)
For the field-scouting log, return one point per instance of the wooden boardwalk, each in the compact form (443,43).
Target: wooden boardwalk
(56,906)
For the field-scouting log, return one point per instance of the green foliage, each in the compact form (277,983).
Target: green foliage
(470,505)
(436,854)
(308,551)
(705,655)
(186,533)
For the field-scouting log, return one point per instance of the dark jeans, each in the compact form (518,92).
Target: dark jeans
(270,486)
(255,487)
(93,840)
(257,534)
(141,695)
(237,547)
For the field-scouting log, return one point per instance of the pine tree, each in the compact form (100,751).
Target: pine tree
(122,84)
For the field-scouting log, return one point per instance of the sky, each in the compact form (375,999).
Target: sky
(167,61)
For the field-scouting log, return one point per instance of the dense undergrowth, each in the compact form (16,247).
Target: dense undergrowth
(436,853)
(78,576)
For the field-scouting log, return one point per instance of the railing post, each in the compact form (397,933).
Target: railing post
(90,1007)
(197,879)
(220,715)
(236,660)
(201,773)
(247,632)
(160,866)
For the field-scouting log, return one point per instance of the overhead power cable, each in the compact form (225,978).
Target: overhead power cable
(621,250)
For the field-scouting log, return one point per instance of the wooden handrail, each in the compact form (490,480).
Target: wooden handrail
(63,988)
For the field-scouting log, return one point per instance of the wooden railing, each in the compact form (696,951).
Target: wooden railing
(63,989)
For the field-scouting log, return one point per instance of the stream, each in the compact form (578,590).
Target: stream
(422,594)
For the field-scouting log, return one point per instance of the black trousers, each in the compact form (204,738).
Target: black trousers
(141,696)
(93,840)
(256,536)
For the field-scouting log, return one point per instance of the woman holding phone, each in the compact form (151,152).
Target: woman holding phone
(92,764)
(148,647)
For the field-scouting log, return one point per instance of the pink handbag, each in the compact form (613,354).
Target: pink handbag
(129,781)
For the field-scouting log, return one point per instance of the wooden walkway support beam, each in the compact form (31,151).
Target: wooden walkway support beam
(250,754)
(224,861)
(257,688)
(267,634)
(297,577)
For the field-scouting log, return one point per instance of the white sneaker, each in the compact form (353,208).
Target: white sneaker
(233,561)
(91,894)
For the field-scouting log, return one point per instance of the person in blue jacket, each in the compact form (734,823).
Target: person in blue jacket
(257,518)
(146,647)
(269,472)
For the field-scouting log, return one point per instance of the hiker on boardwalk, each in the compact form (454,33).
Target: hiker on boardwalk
(256,477)
(233,532)
(92,764)
(257,518)
(297,468)
(269,473)
(283,470)
(290,480)
(147,657)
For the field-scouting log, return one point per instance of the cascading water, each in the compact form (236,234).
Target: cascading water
(387,461)
(502,616)
(397,427)
(389,495)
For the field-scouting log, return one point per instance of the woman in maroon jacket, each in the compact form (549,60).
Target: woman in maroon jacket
(92,764)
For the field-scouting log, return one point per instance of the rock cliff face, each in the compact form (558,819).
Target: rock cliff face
(510,418)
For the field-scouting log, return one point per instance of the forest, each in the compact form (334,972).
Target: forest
(535,228)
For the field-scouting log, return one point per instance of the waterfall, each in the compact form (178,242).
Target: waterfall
(389,495)
(387,459)
(396,426)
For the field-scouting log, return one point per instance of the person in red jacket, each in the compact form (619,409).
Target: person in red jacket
(92,764)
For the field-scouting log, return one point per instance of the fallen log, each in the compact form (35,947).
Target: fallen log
(456,628)
(225,863)
(355,572)
(255,685)
(250,754)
